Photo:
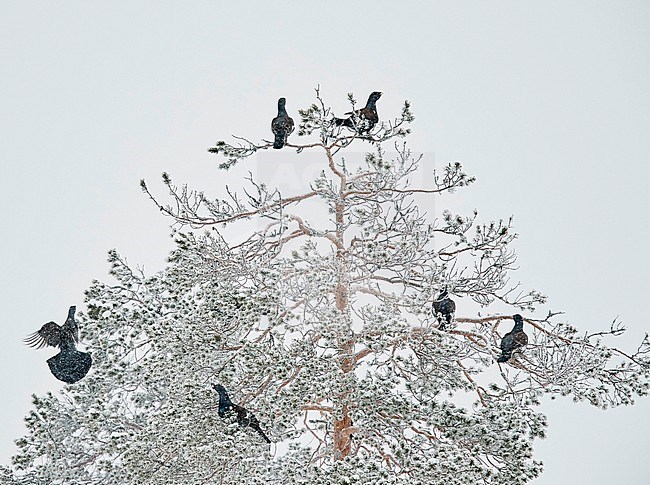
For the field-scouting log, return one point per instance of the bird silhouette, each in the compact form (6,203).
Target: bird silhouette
(244,417)
(515,339)
(69,365)
(281,125)
(443,306)
(362,120)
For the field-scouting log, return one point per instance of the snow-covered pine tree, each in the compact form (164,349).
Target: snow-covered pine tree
(321,324)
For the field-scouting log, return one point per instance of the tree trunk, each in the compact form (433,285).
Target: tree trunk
(342,441)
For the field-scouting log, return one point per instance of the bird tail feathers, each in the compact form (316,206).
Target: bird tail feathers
(279,141)
(266,438)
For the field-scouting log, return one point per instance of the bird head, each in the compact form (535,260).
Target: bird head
(282,102)
(71,311)
(223,394)
(375,95)
(518,319)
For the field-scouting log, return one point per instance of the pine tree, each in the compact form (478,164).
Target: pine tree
(321,324)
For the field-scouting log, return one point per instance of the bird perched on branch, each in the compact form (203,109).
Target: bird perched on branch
(69,365)
(281,125)
(244,417)
(443,306)
(362,120)
(513,340)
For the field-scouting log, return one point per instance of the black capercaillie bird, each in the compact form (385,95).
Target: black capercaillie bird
(244,418)
(444,307)
(281,125)
(362,120)
(515,339)
(69,365)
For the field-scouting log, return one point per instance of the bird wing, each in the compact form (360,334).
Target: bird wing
(448,306)
(282,124)
(248,419)
(437,306)
(369,114)
(49,334)
(244,418)
(521,339)
(506,342)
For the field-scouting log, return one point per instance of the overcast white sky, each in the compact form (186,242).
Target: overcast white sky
(547,104)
